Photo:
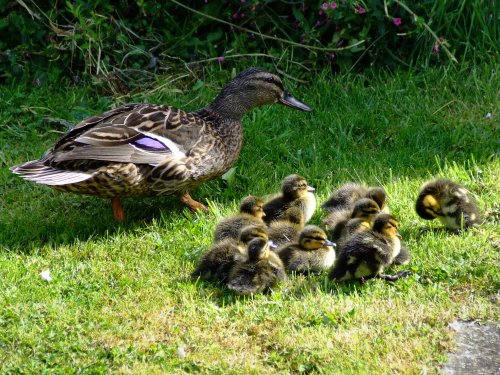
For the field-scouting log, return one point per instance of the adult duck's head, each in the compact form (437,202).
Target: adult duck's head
(251,88)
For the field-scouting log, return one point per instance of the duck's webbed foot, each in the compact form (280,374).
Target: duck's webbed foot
(192,204)
(395,277)
(118,212)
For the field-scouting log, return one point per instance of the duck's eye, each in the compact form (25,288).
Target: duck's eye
(269,79)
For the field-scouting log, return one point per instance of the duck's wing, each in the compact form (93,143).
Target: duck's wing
(135,133)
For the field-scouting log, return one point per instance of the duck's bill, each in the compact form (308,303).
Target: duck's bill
(310,188)
(330,243)
(290,101)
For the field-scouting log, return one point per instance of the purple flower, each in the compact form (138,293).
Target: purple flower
(320,12)
(333,5)
(37,82)
(396,21)
(361,10)
(325,6)
(206,1)
(235,16)
(243,1)
(242,15)
(220,59)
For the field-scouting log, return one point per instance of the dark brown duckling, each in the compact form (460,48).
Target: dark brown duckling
(259,273)
(286,230)
(217,262)
(346,230)
(346,195)
(295,192)
(251,213)
(313,253)
(364,209)
(450,203)
(367,254)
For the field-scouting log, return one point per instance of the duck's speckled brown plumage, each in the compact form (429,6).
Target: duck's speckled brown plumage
(148,150)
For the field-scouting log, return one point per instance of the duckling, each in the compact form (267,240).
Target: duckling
(364,209)
(344,231)
(217,262)
(312,253)
(250,213)
(295,192)
(367,253)
(259,273)
(149,150)
(347,194)
(286,230)
(449,202)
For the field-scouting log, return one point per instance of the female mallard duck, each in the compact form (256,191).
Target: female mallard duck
(259,272)
(448,201)
(295,192)
(150,150)
(217,262)
(250,213)
(312,253)
(367,253)
(285,230)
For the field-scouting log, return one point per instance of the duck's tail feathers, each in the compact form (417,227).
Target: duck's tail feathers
(36,171)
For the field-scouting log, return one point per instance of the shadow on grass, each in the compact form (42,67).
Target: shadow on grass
(53,218)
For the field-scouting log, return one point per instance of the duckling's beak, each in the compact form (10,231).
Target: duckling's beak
(330,243)
(288,100)
(271,244)
(310,188)
(399,235)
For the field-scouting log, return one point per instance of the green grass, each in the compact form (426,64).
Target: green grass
(121,300)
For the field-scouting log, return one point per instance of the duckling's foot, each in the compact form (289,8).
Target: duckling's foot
(118,209)
(395,277)
(192,204)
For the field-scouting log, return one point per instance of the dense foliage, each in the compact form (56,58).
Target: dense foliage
(123,42)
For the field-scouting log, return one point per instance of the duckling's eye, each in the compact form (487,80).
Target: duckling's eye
(269,79)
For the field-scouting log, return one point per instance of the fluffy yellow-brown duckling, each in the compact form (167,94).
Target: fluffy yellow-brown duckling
(449,202)
(259,273)
(368,253)
(346,230)
(286,230)
(251,213)
(364,209)
(217,262)
(295,192)
(313,253)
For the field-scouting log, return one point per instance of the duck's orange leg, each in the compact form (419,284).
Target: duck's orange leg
(118,209)
(192,204)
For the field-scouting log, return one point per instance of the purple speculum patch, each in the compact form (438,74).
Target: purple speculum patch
(150,144)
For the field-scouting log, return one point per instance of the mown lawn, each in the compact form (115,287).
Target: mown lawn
(121,299)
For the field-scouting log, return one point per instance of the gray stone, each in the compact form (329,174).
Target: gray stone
(477,349)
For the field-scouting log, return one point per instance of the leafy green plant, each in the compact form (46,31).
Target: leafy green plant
(124,44)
